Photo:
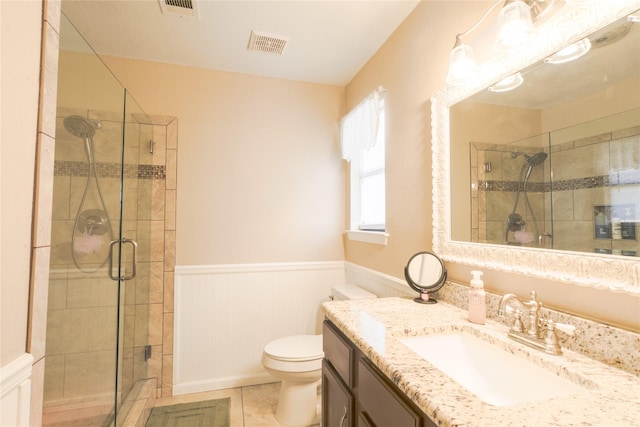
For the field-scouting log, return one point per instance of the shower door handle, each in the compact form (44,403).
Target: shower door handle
(134,245)
(124,241)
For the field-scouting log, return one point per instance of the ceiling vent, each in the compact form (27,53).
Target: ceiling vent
(186,8)
(268,43)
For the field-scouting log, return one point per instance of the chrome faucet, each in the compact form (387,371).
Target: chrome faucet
(538,333)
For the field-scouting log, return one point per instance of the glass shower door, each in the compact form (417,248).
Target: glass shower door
(95,348)
(134,254)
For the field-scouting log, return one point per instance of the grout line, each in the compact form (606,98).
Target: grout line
(242,405)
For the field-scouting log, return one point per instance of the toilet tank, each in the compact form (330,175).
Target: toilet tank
(347,292)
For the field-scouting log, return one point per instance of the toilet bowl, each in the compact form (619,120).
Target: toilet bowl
(297,361)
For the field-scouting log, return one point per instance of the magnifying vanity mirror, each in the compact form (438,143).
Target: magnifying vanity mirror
(425,273)
(544,179)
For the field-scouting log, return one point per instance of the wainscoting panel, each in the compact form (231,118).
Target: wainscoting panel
(15,383)
(377,283)
(225,314)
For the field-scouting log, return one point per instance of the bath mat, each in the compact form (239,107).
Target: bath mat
(210,413)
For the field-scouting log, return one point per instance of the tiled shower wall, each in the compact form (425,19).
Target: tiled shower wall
(602,170)
(495,189)
(72,361)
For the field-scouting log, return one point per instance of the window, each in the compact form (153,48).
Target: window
(363,145)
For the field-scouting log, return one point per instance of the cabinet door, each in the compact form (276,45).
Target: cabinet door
(339,351)
(380,404)
(337,401)
(364,421)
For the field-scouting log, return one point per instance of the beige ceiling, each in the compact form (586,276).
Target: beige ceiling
(329,41)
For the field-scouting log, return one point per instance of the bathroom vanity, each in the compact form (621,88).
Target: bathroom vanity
(356,393)
(372,378)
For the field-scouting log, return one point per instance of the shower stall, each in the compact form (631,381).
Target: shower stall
(97,320)
(573,189)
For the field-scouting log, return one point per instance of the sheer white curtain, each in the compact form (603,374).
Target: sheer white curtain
(363,144)
(359,128)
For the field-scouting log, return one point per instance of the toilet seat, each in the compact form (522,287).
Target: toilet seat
(297,348)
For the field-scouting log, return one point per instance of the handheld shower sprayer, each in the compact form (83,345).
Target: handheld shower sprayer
(537,159)
(533,160)
(515,223)
(92,220)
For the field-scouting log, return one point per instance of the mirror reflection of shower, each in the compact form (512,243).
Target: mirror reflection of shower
(515,221)
(92,230)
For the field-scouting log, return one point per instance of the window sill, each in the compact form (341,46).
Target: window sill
(373,237)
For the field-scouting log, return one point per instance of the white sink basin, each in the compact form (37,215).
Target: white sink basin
(497,377)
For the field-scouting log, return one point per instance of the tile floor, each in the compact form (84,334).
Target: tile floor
(251,406)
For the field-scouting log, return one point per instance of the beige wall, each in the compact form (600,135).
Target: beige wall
(21,20)
(412,65)
(259,172)
(484,124)
(85,83)
(613,100)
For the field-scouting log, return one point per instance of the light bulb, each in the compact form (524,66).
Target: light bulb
(462,65)
(514,26)
(507,84)
(570,53)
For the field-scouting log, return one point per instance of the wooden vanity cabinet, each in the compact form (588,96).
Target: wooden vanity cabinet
(356,394)
(381,404)
(338,401)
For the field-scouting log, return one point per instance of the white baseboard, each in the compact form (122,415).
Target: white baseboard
(221,383)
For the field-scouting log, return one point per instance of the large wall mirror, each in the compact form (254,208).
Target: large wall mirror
(544,179)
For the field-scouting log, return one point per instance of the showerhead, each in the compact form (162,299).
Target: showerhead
(536,159)
(79,126)
(532,161)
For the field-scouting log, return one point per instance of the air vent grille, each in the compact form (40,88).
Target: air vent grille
(186,4)
(179,7)
(268,43)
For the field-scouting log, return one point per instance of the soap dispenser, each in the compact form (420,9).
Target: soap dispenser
(477,303)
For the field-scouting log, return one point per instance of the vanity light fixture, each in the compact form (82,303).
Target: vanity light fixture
(507,84)
(570,53)
(515,27)
(462,65)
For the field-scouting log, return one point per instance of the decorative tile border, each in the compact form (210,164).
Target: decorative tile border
(152,172)
(613,179)
(626,177)
(110,170)
(490,185)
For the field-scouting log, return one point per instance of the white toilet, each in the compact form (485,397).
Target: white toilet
(297,361)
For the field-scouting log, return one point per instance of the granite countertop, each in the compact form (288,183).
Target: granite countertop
(611,397)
